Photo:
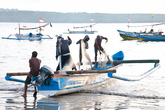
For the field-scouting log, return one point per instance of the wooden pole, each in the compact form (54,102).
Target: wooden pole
(88,71)
(68,72)
(116,62)
(17,74)
(19,29)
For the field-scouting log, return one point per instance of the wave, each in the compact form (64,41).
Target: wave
(110,87)
(124,94)
(144,94)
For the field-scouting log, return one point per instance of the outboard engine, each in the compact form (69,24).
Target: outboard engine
(45,76)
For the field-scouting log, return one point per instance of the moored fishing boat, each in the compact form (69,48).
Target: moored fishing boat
(80,31)
(134,35)
(151,37)
(51,83)
(29,36)
(128,35)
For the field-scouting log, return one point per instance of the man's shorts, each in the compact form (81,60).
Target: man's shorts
(95,49)
(28,80)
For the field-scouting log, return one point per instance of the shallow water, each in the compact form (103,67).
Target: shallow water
(147,93)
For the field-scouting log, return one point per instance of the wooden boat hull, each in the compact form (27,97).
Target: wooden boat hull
(64,84)
(134,35)
(126,37)
(151,38)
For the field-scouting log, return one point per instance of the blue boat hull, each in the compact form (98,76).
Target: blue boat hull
(63,84)
(50,84)
(134,35)
(151,38)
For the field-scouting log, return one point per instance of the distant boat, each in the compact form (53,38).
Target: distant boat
(29,36)
(151,37)
(126,35)
(133,35)
(80,31)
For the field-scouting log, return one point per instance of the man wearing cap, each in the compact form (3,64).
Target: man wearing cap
(34,64)
(98,47)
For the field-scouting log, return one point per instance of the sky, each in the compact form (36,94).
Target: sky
(89,6)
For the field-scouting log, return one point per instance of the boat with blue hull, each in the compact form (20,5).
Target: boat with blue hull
(51,83)
(134,35)
(151,37)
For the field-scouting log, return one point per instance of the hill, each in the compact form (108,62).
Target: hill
(57,17)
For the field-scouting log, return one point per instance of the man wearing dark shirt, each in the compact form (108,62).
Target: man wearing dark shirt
(34,64)
(62,50)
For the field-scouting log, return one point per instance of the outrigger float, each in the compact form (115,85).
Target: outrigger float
(30,36)
(51,83)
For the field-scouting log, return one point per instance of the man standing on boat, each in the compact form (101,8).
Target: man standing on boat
(83,46)
(34,64)
(98,47)
(62,51)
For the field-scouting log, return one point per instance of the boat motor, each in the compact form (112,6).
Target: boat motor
(45,76)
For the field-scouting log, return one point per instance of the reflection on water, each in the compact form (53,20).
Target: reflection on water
(81,101)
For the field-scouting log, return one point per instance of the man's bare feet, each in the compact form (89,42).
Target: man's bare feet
(24,95)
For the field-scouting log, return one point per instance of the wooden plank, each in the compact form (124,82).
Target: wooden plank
(90,71)
(17,74)
(68,72)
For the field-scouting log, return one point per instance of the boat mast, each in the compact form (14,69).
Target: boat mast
(128,23)
(19,29)
(39,28)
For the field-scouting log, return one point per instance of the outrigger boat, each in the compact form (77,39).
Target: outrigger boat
(51,83)
(81,32)
(127,35)
(29,36)
(151,37)
(134,35)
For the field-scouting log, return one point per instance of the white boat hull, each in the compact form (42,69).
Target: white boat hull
(27,37)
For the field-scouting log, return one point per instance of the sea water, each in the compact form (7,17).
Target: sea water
(147,93)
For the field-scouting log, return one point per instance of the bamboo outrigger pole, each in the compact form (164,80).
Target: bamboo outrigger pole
(68,72)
